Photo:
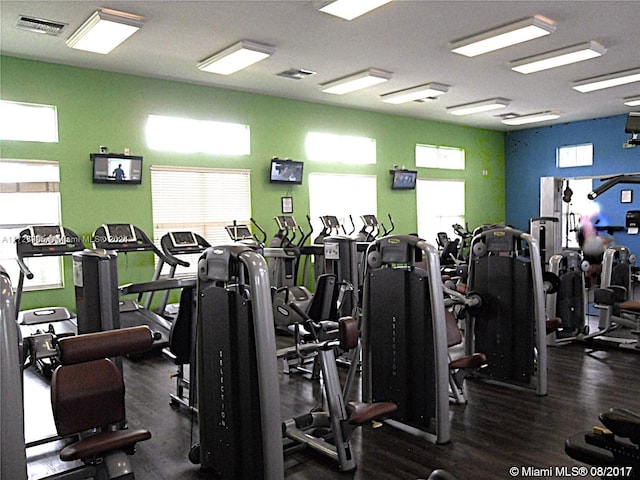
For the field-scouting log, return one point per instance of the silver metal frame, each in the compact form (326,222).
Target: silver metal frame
(443,423)
(539,378)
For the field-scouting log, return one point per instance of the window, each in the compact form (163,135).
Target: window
(200,200)
(440,205)
(341,195)
(28,122)
(34,186)
(202,136)
(327,147)
(431,156)
(574,156)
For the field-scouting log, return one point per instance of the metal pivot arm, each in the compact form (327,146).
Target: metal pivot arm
(612,182)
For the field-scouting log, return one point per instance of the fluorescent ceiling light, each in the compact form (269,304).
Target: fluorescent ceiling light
(357,81)
(558,58)
(607,81)
(429,90)
(478,107)
(236,57)
(632,101)
(505,36)
(532,118)
(350,9)
(105,30)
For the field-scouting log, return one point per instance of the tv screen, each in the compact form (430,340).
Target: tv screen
(404,179)
(116,168)
(286,171)
(633,123)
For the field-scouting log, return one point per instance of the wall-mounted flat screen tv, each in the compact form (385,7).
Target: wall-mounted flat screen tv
(633,123)
(286,171)
(116,168)
(404,179)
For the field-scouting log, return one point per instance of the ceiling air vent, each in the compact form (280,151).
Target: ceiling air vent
(39,25)
(296,73)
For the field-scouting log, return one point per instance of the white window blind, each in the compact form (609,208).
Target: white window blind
(341,195)
(440,205)
(32,188)
(200,200)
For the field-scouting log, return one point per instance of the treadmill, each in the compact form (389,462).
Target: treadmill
(174,244)
(127,238)
(40,327)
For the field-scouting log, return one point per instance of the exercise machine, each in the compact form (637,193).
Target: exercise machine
(87,396)
(239,421)
(13,459)
(545,231)
(328,430)
(568,302)
(283,256)
(404,339)
(372,228)
(181,348)
(616,309)
(511,328)
(41,327)
(174,244)
(126,238)
(613,447)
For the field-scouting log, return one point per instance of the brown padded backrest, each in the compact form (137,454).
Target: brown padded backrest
(87,395)
(349,333)
(454,336)
(111,343)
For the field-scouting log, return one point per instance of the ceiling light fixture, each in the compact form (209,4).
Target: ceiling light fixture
(428,90)
(607,81)
(532,118)
(504,36)
(479,107)
(558,58)
(236,57)
(105,30)
(350,9)
(357,81)
(632,101)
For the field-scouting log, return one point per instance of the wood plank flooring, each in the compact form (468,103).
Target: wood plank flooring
(499,427)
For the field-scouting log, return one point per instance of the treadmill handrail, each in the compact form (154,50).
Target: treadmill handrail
(156,285)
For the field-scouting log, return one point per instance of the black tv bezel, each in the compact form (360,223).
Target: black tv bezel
(394,179)
(110,181)
(281,161)
(633,123)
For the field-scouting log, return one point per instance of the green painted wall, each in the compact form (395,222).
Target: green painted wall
(101,108)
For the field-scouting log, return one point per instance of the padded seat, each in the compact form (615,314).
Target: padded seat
(553,324)
(622,423)
(87,392)
(476,360)
(630,305)
(361,412)
(100,443)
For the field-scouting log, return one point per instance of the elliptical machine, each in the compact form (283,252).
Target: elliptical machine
(283,256)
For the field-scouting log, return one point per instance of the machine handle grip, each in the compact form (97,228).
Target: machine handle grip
(25,270)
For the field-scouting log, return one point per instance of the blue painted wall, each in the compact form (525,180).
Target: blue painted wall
(531,154)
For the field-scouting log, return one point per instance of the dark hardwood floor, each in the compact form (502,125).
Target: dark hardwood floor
(499,427)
